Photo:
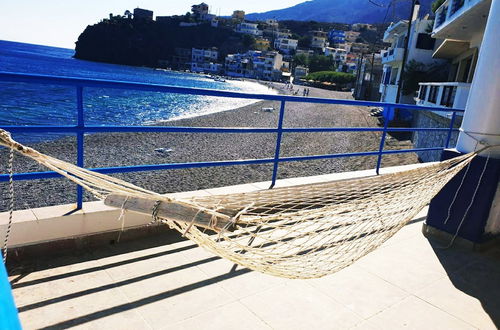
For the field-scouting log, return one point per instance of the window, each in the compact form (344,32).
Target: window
(394,76)
(422,93)
(448,96)
(433,94)
(424,41)
(387,75)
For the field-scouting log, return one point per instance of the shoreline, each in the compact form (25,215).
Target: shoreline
(122,149)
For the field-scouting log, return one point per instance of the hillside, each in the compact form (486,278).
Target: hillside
(343,11)
(138,42)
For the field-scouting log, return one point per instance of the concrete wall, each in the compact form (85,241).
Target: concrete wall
(428,139)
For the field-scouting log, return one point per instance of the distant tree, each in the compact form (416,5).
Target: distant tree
(436,4)
(321,63)
(304,41)
(301,59)
(248,41)
(339,78)
(416,72)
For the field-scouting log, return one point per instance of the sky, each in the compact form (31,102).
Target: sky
(60,22)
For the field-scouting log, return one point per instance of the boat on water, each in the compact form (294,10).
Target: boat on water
(219,79)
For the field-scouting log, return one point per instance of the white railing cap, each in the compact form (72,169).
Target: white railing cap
(445,83)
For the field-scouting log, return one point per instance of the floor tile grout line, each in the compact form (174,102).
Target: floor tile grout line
(128,299)
(390,305)
(439,308)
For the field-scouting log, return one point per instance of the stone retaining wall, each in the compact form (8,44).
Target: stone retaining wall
(428,139)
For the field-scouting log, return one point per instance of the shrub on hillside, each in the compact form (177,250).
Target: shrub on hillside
(339,78)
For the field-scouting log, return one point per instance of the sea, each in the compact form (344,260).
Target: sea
(35,104)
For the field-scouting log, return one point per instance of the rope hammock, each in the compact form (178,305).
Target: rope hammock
(304,231)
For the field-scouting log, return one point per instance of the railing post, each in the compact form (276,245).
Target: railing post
(452,122)
(79,142)
(382,139)
(278,144)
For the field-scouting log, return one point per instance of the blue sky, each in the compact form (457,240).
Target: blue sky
(59,22)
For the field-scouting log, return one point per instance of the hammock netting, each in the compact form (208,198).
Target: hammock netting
(304,231)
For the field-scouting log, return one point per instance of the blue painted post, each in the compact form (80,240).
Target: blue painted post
(278,144)
(382,140)
(448,138)
(9,318)
(79,142)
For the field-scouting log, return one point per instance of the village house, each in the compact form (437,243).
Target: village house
(459,25)
(420,49)
(205,60)
(248,28)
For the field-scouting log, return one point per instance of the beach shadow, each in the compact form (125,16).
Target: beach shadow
(22,265)
(144,301)
(115,250)
(476,274)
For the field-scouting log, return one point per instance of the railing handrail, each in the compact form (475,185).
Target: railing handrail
(80,128)
(446,83)
(442,6)
(101,83)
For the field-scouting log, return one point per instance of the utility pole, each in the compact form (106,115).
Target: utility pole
(405,53)
(358,72)
(370,85)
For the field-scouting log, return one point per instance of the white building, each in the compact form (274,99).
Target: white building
(248,28)
(460,24)
(271,22)
(420,49)
(351,36)
(282,34)
(319,40)
(338,54)
(286,45)
(300,71)
(363,26)
(273,61)
(205,60)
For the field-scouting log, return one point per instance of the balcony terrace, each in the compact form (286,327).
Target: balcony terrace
(162,281)
(460,19)
(443,94)
(392,55)
(394,30)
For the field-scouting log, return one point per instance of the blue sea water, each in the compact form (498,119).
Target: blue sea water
(33,104)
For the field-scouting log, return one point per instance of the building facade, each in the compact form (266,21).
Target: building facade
(351,36)
(286,45)
(199,10)
(143,14)
(205,60)
(459,26)
(248,28)
(336,37)
(319,40)
(420,49)
(238,15)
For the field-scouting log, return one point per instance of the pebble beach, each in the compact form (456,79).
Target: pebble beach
(122,149)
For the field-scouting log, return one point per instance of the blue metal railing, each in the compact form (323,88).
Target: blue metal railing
(81,128)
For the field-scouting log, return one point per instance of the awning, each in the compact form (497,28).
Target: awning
(451,48)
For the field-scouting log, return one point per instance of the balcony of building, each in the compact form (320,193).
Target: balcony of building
(161,281)
(394,30)
(154,279)
(443,94)
(461,19)
(392,55)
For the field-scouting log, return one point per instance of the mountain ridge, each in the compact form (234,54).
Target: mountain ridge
(344,11)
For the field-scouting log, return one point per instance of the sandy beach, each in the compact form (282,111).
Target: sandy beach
(120,149)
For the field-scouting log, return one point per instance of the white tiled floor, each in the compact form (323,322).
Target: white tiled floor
(407,283)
